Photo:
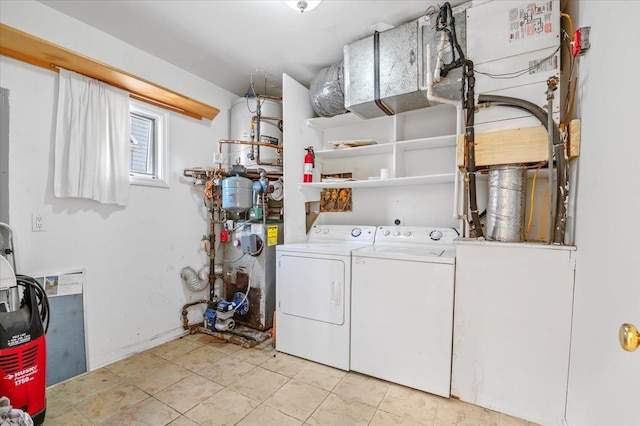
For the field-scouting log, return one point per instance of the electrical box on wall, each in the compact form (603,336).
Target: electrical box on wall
(515,47)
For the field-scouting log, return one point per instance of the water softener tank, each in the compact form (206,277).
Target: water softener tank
(237,194)
(243,111)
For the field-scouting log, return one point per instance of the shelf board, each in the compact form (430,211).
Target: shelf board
(322,123)
(387,148)
(426,143)
(341,120)
(380,148)
(349,118)
(383,183)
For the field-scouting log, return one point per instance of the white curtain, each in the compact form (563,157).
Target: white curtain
(92,140)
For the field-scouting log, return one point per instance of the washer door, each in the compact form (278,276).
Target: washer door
(312,288)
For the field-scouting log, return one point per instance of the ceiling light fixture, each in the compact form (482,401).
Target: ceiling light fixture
(302,5)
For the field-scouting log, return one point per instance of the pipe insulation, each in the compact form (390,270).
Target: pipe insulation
(506,205)
(195,281)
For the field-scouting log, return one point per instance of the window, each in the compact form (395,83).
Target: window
(148,155)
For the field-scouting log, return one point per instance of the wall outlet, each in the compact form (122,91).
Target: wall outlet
(38,222)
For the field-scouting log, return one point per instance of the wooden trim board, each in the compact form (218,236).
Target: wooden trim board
(36,51)
(574,138)
(511,146)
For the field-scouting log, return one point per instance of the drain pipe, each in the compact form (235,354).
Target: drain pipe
(431,96)
(551,86)
(456,186)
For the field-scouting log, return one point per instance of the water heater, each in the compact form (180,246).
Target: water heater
(245,127)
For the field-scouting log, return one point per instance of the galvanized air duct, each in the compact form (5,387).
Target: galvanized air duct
(505,209)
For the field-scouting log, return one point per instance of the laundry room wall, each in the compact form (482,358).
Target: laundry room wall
(132,255)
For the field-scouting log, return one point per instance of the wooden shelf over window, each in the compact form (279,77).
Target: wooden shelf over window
(25,47)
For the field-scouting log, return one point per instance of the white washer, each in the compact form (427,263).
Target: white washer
(402,307)
(313,293)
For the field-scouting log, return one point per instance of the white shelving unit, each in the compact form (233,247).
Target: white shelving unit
(395,155)
(398,151)
(417,147)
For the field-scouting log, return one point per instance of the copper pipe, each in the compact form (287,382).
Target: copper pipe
(185,320)
(239,142)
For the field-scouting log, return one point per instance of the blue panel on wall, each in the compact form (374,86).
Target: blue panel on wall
(66,352)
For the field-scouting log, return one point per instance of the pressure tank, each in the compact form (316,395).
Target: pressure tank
(237,194)
(243,111)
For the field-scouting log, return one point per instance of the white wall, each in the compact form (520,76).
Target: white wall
(133,255)
(604,381)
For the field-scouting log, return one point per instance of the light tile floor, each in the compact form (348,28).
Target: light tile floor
(201,380)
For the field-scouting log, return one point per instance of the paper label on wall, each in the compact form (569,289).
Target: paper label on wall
(62,284)
(532,20)
(544,64)
(272,235)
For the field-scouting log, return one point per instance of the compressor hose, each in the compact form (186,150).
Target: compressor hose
(41,298)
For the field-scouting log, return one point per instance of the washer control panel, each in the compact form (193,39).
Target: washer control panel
(415,235)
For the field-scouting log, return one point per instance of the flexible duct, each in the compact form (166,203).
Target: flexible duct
(195,281)
(327,91)
(505,209)
(559,151)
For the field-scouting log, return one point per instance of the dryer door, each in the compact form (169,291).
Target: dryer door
(312,288)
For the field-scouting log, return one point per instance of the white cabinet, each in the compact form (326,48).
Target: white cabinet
(512,328)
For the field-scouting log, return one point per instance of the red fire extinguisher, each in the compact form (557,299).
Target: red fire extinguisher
(309,164)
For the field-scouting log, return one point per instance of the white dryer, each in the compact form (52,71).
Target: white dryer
(402,307)
(313,293)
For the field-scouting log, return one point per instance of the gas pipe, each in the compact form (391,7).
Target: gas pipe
(309,164)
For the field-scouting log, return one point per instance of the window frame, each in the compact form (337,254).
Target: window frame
(161,146)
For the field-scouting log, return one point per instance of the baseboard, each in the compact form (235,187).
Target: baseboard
(117,355)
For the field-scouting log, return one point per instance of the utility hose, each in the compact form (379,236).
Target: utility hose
(41,298)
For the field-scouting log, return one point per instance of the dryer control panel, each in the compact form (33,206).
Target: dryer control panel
(350,233)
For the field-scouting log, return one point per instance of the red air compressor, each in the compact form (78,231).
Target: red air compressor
(23,353)
(24,320)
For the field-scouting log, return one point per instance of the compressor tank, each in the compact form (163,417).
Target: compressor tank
(243,110)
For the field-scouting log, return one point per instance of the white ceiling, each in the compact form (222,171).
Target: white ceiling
(224,42)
